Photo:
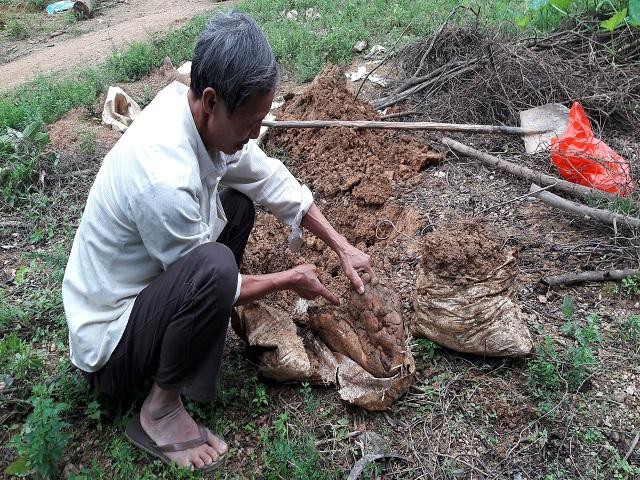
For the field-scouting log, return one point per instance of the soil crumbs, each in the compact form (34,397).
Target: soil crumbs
(461,248)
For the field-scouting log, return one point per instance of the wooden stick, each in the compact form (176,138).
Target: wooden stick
(591,276)
(524,172)
(440,127)
(604,216)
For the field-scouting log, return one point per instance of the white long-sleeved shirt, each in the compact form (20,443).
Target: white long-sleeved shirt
(155,199)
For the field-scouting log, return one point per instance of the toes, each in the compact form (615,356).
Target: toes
(206,458)
(197,462)
(217,443)
(210,451)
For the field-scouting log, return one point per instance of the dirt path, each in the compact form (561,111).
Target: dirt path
(123,23)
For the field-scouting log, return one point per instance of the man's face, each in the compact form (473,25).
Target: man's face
(228,133)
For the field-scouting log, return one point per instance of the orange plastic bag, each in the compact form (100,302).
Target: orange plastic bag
(582,158)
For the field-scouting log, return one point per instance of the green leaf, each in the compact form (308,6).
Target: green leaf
(567,307)
(611,24)
(523,21)
(18,467)
(538,4)
(561,4)
(634,12)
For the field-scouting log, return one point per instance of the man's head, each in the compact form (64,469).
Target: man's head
(234,75)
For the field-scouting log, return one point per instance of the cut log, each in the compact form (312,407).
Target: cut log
(526,173)
(591,276)
(84,8)
(603,216)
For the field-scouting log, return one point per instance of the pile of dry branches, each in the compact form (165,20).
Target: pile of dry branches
(464,75)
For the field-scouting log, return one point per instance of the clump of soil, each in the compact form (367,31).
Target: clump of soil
(366,163)
(461,249)
(368,329)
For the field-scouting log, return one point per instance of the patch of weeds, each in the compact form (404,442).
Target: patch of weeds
(592,436)
(552,368)
(310,402)
(292,458)
(10,315)
(260,398)
(630,329)
(427,349)
(16,29)
(21,161)
(17,357)
(631,285)
(543,372)
(86,144)
(147,96)
(43,438)
(619,468)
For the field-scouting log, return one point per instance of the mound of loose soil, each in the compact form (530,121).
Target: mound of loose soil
(366,163)
(461,249)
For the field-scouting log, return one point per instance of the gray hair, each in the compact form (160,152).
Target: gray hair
(234,58)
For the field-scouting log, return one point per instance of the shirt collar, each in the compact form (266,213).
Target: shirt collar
(206,163)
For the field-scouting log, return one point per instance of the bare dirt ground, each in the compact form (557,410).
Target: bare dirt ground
(114,25)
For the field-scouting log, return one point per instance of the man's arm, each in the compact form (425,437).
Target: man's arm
(351,258)
(302,279)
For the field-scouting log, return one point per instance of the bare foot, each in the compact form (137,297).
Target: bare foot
(165,420)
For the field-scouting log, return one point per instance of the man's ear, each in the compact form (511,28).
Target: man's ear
(209,100)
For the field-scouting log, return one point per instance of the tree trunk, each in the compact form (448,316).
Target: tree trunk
(84,8)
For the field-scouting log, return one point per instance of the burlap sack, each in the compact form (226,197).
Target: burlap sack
(478,317)
(288,352)
(120,110)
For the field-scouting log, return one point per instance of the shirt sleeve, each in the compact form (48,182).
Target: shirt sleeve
(169,222)
(267,181)
(170,225)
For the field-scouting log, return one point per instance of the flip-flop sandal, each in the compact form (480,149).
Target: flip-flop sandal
(136,435)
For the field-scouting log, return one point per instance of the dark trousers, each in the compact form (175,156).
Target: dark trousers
(178,325)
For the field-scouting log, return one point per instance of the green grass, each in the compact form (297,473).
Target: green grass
(303,46)
(48,97)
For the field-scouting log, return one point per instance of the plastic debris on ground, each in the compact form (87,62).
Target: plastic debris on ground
(586,160)
(59,7)
(120,110)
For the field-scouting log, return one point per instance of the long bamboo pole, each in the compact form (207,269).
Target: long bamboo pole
(434,126)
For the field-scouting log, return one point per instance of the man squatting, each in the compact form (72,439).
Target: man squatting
(153,273)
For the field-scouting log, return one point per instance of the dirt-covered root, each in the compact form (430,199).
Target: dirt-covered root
(369,329)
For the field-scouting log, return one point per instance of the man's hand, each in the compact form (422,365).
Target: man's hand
(307,284)
(353,261)
(303,280)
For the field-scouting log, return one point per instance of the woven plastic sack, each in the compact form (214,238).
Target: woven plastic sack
(477,317)
(287,352)
(584,159)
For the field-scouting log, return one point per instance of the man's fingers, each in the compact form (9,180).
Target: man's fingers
(324,291)
(355,279)
(371,273)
